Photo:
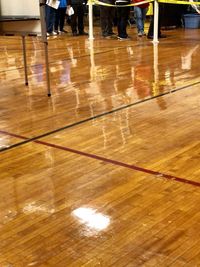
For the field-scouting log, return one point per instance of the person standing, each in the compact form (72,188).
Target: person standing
(107,14)
(60,17)
(50,19)
(140,12)
(150,31)
(78,16)
(122,18)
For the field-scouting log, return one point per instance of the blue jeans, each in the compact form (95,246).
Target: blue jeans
(50,18)
(140,16)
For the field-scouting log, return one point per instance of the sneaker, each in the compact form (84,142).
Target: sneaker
(53,33)
(140,34)
(75,34)
(144,33)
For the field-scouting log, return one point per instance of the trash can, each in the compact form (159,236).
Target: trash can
(191,21)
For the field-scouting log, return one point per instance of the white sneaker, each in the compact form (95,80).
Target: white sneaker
(54,33)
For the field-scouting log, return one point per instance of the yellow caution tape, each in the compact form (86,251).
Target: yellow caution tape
(178,2)
(97,2)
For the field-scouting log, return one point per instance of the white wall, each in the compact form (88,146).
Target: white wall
(20,8)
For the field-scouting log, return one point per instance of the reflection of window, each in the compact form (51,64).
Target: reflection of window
(91,218)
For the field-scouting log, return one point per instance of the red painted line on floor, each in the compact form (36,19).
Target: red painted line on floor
(133,167)
(14,135)
(114,162)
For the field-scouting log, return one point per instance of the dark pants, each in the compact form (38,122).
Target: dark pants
(60,18)
(150,32)
(122,20)
(78,15)
(50,18)
(106,19)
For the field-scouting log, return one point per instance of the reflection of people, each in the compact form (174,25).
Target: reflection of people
(187,58)
(161,103)
(150,32)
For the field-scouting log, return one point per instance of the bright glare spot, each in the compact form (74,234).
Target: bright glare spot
(91,218)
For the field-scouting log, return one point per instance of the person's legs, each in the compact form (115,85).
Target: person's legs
(139,19)
(104,20)
(62,18)
(123,14)
(111,14)
(74,20)
(80,19)
(150,31)
(57,19)
(50,18)
(144,12)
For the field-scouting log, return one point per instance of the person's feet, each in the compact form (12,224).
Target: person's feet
(63,31)
(124,38)
(140,34)
(52,33)
(83,33)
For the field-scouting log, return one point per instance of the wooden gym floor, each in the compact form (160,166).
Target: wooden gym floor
(105,172)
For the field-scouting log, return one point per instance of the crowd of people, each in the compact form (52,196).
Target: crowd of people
(55,18)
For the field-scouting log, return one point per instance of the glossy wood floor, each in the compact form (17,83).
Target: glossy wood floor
(106,172)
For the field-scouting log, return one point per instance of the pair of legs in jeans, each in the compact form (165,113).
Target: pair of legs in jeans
(60,19)
(122,20)
(140,16)
(50,18)
(106,20)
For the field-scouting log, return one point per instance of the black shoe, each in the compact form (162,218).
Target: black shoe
(111,33)
(83,33)
(149,36)
(75,34)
